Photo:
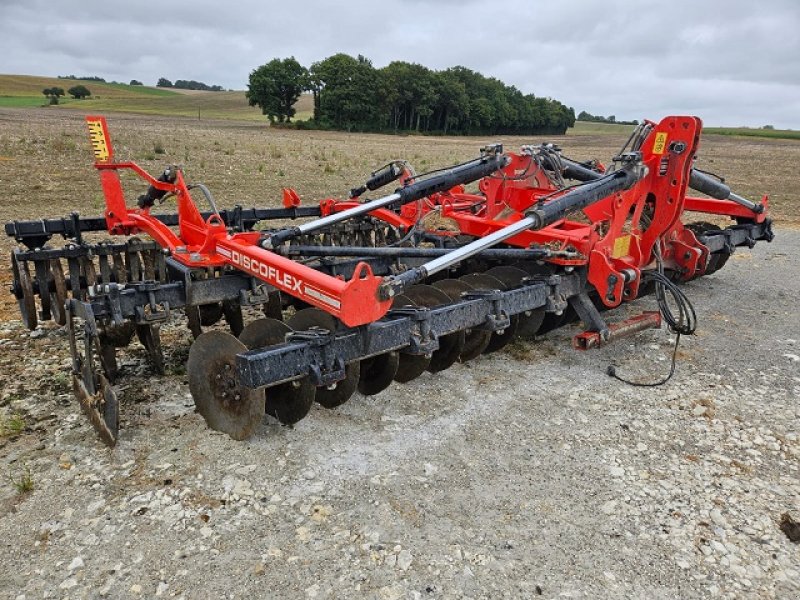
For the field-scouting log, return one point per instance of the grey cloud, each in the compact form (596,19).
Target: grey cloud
(730,61)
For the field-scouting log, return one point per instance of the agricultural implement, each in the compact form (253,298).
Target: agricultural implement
(357,293)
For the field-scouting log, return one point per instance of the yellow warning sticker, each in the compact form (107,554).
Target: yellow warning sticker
(622,246)
(97,136)
(660,145)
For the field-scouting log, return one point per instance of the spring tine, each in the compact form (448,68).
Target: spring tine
(150,337)
(88,270)
(105,268)
(42,269)
(149,266)
(233,315)
(74,266)
(120,274)
(160,263)
(108,359)
(134,265)
(59,293)
(193,316)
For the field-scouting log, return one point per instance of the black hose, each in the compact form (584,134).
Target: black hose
(683,323)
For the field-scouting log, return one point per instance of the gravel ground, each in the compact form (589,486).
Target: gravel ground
(528,473)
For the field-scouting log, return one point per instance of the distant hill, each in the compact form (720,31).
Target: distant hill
(26,91)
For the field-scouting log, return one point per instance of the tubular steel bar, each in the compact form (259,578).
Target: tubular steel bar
(445,180)
(698,181)
(539,217)
(238,218)
(415,330)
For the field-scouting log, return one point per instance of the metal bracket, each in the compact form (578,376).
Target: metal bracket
(589,314)
(332,368)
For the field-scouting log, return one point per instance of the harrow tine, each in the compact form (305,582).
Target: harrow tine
(150,337)
(105,423)
(42,270)
(58,292)
(119,271)
(160,264)
(75,271)
(233,315)
(88,271)
(149,265)
(105,268)
(25,297)
(132,262)
(94,393)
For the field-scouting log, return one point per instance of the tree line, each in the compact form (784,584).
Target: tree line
(585,116)
(351,94)
(188,84)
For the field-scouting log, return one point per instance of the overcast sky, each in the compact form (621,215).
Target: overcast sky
(731,62)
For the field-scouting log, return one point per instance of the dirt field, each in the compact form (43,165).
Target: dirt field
(523,474)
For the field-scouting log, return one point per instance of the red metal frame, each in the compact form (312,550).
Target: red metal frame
(206,243)
(616,241)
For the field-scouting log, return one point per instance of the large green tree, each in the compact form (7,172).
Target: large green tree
(347,93)
(79,92)
(53,94)
(276,87)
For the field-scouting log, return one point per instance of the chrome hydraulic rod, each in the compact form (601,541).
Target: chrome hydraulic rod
(698,181)
(492,160)
(541,216)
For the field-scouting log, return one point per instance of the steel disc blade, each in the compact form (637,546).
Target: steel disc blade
(510,276)
(482,281)
(378,372)
(475,340)
(550,322)
(717,261)
(570,315)
(264,332)
(339,392)
(291,402)
(224,404)
(499,339)
(454,288)
(410,366)
(308,318)
(25,298)
(528,322)
(450,345)
(288,402)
